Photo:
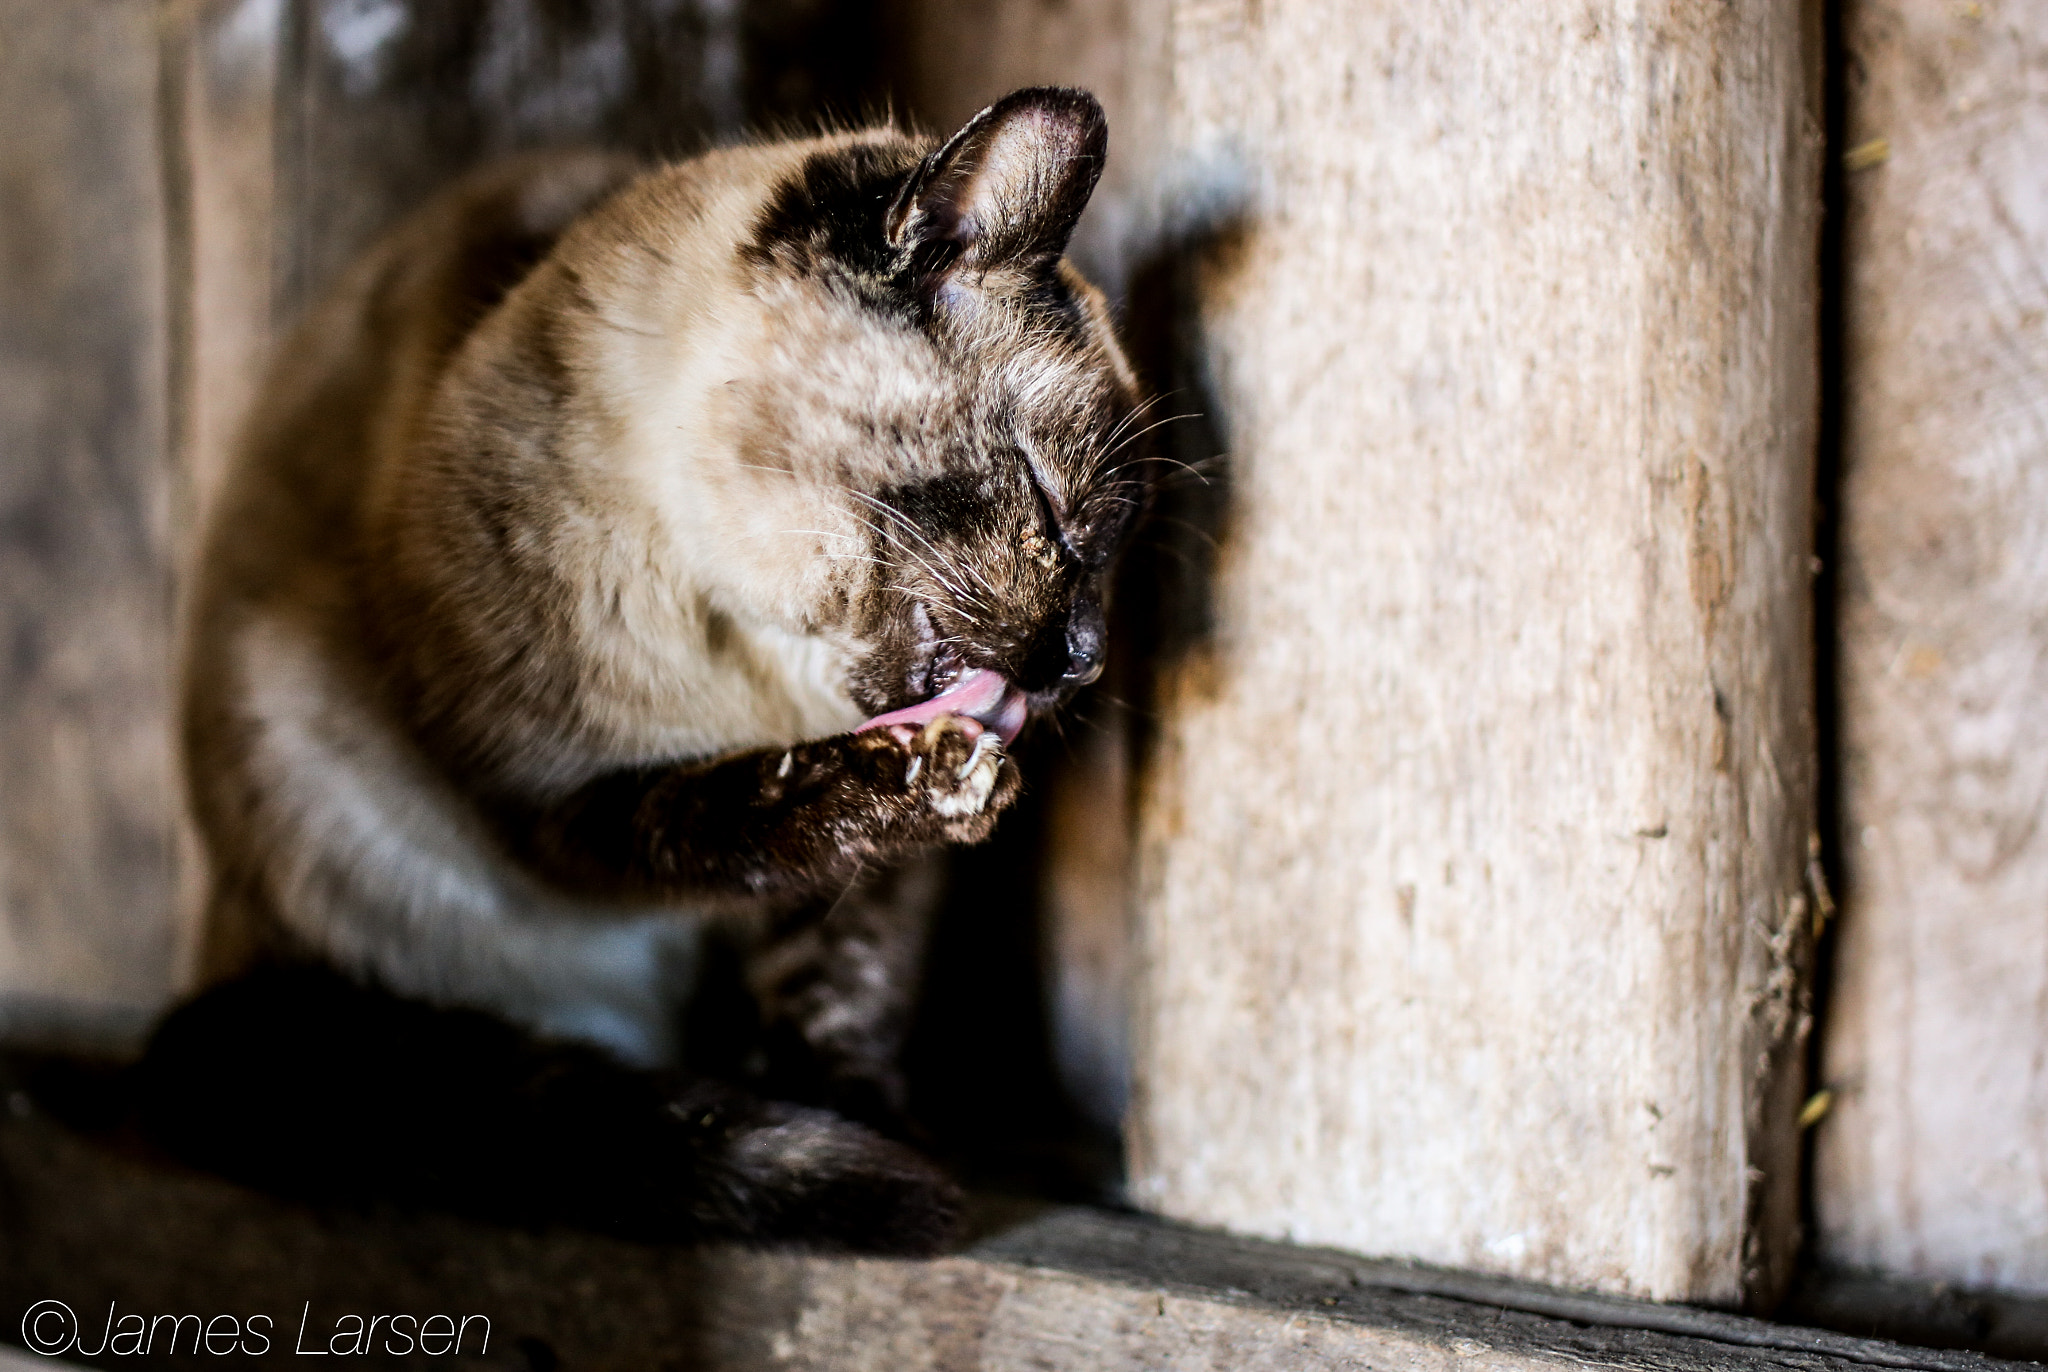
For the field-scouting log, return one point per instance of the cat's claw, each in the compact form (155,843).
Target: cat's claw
(962,760)
(963,787)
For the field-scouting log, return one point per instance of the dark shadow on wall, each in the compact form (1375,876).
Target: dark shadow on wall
(1831,882)
(1020,1095)
(1166,591)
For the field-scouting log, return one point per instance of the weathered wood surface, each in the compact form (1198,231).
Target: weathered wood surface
(88,794)
(222,59)
(1931,1314)
(1473,924)
(1050,1290)
(1934,1162)
(14,1360)
(1473,920)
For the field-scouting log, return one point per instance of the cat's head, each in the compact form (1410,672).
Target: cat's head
(933,413)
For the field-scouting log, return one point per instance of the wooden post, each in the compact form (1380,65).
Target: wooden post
(1472,848)
(1934,1161)
(88,792)
(223,59)
(1472,837)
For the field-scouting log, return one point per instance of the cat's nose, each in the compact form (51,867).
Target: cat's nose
(1065,656)
(1084,644)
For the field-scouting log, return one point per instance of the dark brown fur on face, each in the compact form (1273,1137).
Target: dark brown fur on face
(580,533)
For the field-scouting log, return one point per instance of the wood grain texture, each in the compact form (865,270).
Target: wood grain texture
(1934,1162)
(224,57)
(1472,842)
(1472,914)
(1058,1289)
(88,792)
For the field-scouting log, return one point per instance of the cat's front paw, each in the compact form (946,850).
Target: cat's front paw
(950,775)
(943,781)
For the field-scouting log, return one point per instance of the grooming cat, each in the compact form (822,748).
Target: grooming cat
(629,574)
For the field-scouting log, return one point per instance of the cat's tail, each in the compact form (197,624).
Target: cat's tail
(298,1081)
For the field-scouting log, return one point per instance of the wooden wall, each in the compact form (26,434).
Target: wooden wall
(1934,1162)
(1440,888)
(89,943)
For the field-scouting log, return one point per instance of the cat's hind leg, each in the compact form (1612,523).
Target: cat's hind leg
(834,985)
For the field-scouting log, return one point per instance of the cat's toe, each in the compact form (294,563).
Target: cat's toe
(959,766)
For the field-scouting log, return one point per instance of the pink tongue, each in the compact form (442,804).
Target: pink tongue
(980,695)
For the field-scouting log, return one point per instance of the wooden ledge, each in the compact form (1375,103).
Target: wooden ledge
(1043,1289)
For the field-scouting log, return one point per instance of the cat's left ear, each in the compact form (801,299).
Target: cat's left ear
(1010,185)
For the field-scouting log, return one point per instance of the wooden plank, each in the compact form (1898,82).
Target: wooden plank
(1453,357)
(1473,922)
(88,933)
(1045,1289)
(1932,1314)
(224,56)
(1934,1162)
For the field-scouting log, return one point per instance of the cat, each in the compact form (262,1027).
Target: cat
(627,574)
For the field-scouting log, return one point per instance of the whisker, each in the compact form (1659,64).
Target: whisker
(1129,439)
(933,572)
(1137,412)
(957,597)
(904,522)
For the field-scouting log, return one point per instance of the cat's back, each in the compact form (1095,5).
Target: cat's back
(287,528)
(358,371)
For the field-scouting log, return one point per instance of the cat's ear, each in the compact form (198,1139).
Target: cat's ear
(1009,186)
